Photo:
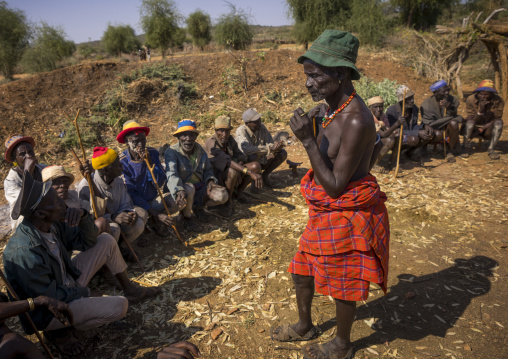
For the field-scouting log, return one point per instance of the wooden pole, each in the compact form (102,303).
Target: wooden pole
(401,136)
(444,136)
(151,167)
(89,180)
(34,328)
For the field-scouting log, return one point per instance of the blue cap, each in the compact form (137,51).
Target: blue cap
(437,85)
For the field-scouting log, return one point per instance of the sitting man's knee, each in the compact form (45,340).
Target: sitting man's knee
(254,166)
(282,155)
(106,240)
(189,189)
(413,141)
(389,142)
(142,213)
(454,124)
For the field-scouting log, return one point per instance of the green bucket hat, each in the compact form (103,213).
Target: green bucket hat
(334,48)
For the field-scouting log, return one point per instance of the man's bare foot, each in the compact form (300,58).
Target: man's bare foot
(331,350)
(292,333)
(493,155)
(136,293)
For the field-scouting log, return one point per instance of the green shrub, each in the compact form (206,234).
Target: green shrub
(47,48)
(367,88)
(233,30)
(91,129)
(199,26)
(14,36)
(159,21)
(120,39)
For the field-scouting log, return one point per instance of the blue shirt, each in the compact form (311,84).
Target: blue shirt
(138,179)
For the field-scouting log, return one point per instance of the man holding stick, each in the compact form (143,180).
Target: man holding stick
(440,112)
(140,184)
(345,244)
(37,262)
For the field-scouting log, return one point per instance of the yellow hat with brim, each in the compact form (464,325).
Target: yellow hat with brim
(186,126)
(375,100)
(51,173)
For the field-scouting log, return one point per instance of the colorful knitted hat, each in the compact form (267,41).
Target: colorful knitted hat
(51,173)
(131,126)
(103,157)
(13,141)
(437,85)
(186,125)
(375,100)
(486,85)
(334,48)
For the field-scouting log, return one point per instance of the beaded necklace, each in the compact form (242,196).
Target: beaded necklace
(327,119)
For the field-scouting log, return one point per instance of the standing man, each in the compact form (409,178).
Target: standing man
(187,165)
(345,244)
(139,181)
(484,117)
(229,163)
(257,144)
(414,135)
(440,112)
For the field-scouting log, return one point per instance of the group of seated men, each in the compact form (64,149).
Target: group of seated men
(439,119)
(63,237)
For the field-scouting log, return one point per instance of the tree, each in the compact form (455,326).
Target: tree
(233,30)
(47,47)
(199,26)
(14,36)
(368,21)
(313,17)
(422,14)
(159,20)
(120,38)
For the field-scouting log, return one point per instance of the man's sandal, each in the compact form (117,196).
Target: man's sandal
(145,293)
(324,352)
(493,155)
(286,334)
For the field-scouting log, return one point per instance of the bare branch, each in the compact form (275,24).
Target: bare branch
(493,14)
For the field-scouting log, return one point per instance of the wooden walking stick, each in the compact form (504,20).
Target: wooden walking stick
(34,328)
(151,167)
(444,135)
(92,196)
(401,136)
(90,186)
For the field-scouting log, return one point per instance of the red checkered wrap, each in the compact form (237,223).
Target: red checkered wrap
(338,275)
(356,222)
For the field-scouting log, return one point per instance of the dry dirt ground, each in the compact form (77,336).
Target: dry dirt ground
(447,279)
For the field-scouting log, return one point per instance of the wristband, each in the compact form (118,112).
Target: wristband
(245,170)
(31,303)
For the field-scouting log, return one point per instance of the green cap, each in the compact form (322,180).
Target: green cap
(334,48)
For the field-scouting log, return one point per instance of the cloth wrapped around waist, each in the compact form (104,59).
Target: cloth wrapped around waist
(355,221)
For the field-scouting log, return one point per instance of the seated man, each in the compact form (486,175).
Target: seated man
(440,112)
(385,132)
(187,164)
(121,213)
(139,181)
(14,346)
(229,163)
(257,144)
(37,262)
(484,118)
(414,136)
(20,152)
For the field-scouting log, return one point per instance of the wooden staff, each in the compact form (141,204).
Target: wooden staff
(151,167)
(34,328)
(401,137)
(444,135)
(90,185)
(96,213)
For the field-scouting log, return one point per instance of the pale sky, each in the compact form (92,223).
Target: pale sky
(84,20)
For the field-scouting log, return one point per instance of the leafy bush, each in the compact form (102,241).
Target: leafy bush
(86,50)
(233,30)
(118,39)
(91,130)
(368,21)
(367,88)
(199,26)
(47,48)
(14,35)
